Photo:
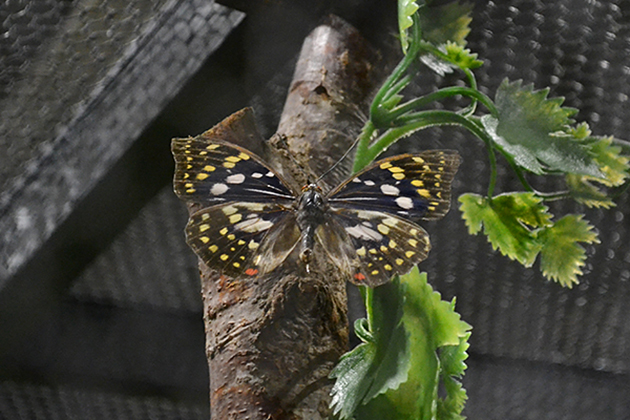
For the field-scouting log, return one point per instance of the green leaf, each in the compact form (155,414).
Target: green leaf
(583,191)
(431,324)
(406,9)
(453,366)
(381,362)
(454,56)
(461,57)
(534,130)
(509,221)
(562,258)
(611,163)
(448,22)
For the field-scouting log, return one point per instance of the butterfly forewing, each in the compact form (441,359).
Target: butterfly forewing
(213,172)
(228,237)
(414,186)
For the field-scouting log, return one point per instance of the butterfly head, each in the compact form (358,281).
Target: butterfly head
(312,200)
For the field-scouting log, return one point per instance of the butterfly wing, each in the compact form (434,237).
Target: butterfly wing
(414,186)
(212,172)
(242,238)
(371,246)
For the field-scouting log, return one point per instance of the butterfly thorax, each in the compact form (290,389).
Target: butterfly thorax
(310,213)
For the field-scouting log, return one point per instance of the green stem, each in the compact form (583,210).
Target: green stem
(368,298)
(362,158)
(414,104)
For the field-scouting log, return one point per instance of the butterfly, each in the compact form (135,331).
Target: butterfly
(251,220)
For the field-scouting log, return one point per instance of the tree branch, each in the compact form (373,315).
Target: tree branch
(272,340)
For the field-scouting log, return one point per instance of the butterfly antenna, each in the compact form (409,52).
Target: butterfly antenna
(338,161)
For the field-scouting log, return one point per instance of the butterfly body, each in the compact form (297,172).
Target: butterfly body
(310,211)
(252,221)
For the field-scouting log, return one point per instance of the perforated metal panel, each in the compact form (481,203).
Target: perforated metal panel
(538,351)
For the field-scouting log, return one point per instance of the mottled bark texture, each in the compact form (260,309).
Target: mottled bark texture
(272,340)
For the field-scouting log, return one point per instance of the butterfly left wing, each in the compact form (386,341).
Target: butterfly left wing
(210,171)
(414,186)
(372,246)
(242,238)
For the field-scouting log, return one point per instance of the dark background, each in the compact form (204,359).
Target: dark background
(100,313)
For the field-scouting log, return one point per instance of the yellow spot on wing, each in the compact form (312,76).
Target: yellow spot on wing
(213,146)
(241,242)
(392,244)
(388,267)
(395,169)
(383,229)
(253,245)
(228,165)
(204,239)
(361,251)
(386,165)
(237,265)
(424,193)
(205,216)
(409,254)
(213,248)
(375,272)
(231,237)
(373,251)
(243,156)
(413,242)
(233,159)
(418,159)
(202,176)
(399,261)
(224,257)
(223,231)
(209,168)
(398,176)
(235,218)
(417,183)
(384,248)
(204,227)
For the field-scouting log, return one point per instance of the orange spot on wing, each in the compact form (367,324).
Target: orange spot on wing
(359,276)
(251,271)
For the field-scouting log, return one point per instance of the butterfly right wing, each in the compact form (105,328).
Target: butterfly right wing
(243,238)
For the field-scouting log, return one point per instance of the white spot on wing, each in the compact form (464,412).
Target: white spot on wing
(257,175)
(235,179)
(253,225)
(269,174)
(404,202)
(369,182)
(363,232)
(218,189)
(389,189)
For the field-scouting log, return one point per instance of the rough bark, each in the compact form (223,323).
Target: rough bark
(271,341)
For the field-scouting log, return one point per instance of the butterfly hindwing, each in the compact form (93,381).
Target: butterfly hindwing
(382,245)
(414,186)
(232,237)
(213,172)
